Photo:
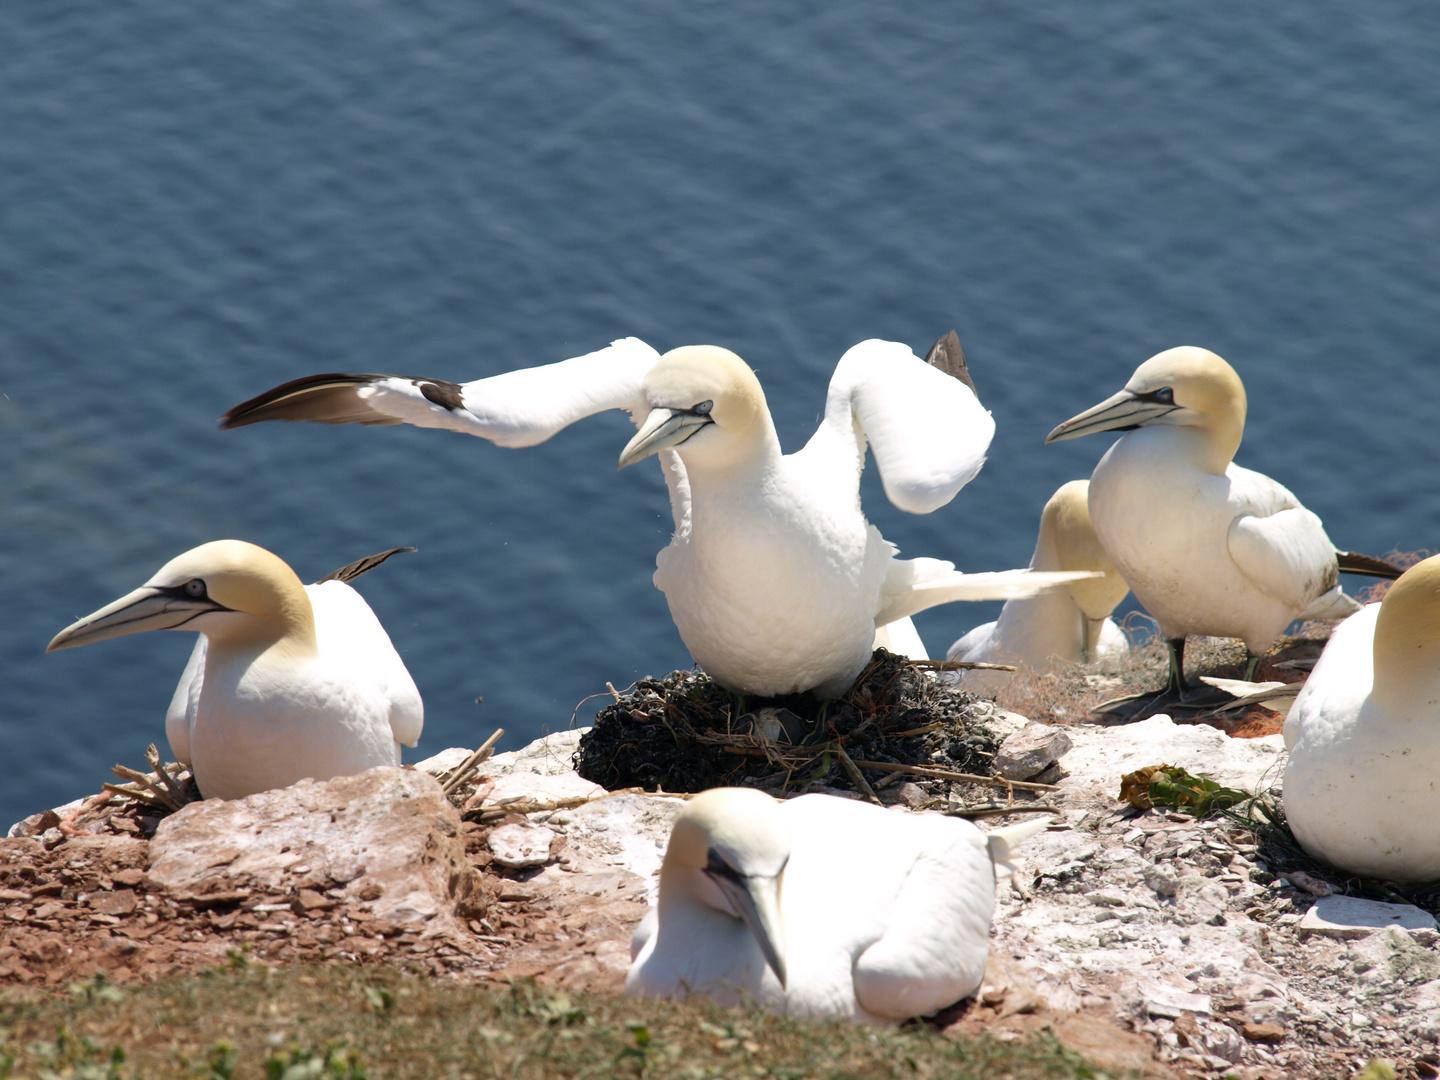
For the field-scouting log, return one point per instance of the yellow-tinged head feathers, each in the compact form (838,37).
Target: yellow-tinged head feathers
(241,576)
(741,825)
(706,402)
(1185,387)
(1407,631)
(1069,536)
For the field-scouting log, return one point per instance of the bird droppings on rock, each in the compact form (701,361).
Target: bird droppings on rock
(686,733)
(1027,753)
(518,847)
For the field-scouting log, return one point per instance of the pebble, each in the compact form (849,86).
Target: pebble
(520,846)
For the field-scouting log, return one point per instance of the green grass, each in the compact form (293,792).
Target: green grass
(332,1022)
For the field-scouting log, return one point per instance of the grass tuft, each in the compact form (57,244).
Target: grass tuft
(334,1022)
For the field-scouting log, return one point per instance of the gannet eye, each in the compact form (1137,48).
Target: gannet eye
(1165,396)
(194,588)
(703,409)
(718,867)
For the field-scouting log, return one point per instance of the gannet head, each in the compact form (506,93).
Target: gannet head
(732,844)
(705,402)
(1069,539)
(1184,387)
(227,589)
(1407,636)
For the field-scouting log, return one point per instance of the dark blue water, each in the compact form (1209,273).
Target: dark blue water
(198,202)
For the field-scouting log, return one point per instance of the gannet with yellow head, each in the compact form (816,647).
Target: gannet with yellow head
(776,581)
(821,906)
(1207,546)
(1364,738)
(287,681)
(1071,624)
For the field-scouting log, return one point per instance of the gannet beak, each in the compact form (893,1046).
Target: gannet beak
(147,608)
(758,902)
(1119,412)
(662,429)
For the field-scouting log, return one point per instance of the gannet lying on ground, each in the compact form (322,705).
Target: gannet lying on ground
(776,581)
(1070,624)
(1364,738)
(1207,547)
(821,906)
(287,681)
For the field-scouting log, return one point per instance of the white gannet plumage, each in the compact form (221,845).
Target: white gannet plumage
(287,681)
(1071,624)
(1207,547)
(821,906)
(1362,782)
(774,578)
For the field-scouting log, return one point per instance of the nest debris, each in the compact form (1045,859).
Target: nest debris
(686,733)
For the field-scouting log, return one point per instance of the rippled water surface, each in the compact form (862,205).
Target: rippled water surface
(200,201)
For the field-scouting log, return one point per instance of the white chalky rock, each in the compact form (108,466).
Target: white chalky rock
(1352,917)
(1031,750)
(521,846)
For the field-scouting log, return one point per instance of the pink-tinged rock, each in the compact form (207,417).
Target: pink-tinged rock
(388,836)
(1031,750)
(521,846)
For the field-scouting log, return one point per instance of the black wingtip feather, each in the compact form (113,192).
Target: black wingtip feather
(1352,562)
(349,573)
(271,405)
(947,355)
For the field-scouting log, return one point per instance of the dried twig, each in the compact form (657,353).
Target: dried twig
(473,762)
(856,776)
(152,755)
(946,774)
(140,795)
(1001,811)
(960,665)
(159,794)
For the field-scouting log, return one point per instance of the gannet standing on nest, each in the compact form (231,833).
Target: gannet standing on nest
(821,906)
(1072,623)
(1207,547)
(1364,738)
(287,681)
(776,581)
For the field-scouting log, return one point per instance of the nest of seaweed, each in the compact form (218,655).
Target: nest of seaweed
(686,733)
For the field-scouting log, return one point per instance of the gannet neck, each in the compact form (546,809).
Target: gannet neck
(728,850)
(1067,541)
(1407,639)
(707,405)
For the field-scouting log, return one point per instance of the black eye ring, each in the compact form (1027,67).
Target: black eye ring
(194,588)
(703,409)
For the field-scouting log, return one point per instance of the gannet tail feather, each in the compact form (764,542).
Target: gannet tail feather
(1352,562)
(1003,842)
(352,571)
(517,408)
(915,585)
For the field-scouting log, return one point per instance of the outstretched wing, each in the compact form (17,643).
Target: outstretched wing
(927,428)
(915,585)
(518,408)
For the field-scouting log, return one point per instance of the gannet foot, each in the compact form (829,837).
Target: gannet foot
(1191,700)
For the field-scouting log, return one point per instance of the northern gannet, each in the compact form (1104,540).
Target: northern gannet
(1364,738)
(287,681)
(1072,623)
(776,581)
(1207,547)
(821,906)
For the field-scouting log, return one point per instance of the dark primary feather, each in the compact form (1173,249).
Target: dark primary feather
(1352,562)
(349,573)
(325,399)
(947,355)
